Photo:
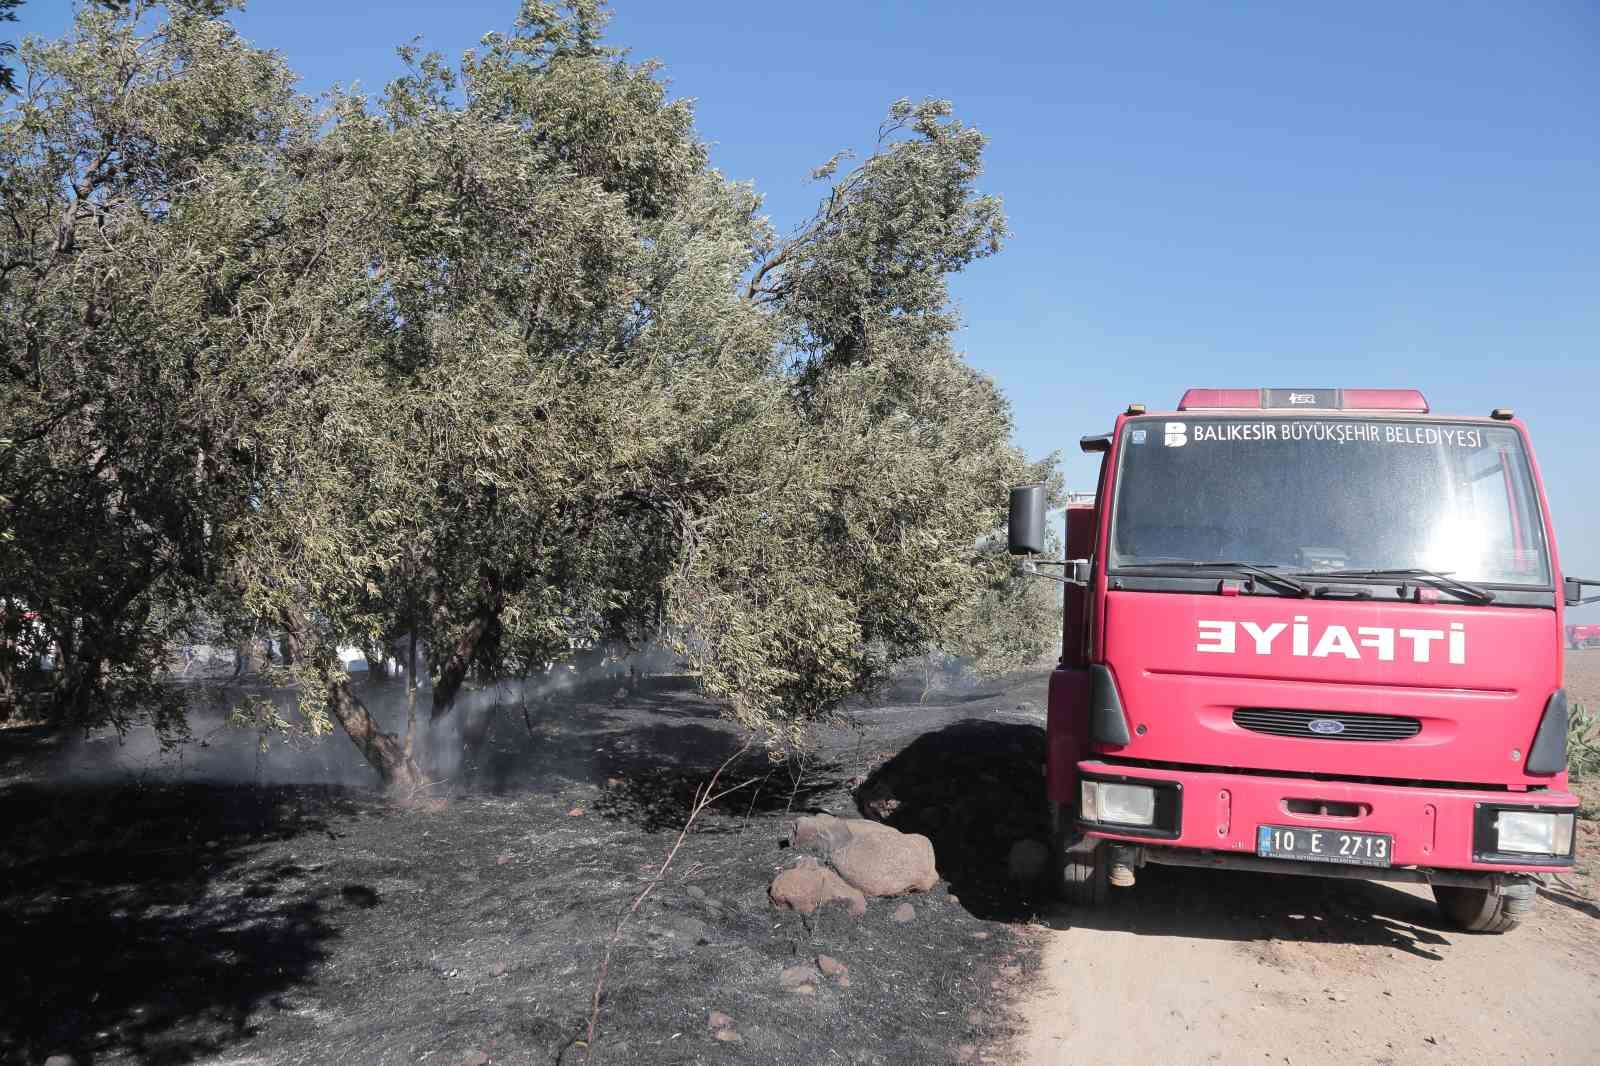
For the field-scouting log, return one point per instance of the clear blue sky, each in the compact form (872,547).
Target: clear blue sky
(1341,193)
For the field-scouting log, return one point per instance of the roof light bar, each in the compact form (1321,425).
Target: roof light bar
(1407,400)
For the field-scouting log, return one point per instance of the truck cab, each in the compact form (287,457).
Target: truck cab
(1314,632)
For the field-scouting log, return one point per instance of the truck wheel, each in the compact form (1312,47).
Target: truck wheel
(1480,910)
(1080,862)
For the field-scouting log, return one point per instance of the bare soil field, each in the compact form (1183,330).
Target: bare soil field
(1198,966)
(210,906)
(1583,677)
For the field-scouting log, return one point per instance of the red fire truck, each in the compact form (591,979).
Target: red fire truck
(1311,631)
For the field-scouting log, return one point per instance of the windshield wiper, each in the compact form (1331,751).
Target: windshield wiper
(1438,578)
(1257,570)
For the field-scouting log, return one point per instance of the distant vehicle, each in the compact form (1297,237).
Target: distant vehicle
(1587,636)
(1312,631)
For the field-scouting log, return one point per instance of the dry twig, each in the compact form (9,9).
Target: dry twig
(704,796)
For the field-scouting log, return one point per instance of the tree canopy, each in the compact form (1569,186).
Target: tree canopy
(497,358)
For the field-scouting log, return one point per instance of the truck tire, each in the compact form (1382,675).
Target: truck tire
(1481,910)
(1079,863)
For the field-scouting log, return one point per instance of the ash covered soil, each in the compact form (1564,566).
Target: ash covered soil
(210,905)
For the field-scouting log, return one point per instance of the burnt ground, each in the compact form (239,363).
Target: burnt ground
(219,904)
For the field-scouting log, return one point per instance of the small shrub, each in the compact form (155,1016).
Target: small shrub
(1583,743)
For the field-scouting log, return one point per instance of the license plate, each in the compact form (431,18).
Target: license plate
(1324,845)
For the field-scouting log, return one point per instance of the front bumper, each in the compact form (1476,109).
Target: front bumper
(1432,827)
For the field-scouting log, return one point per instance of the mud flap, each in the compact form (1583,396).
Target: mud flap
(1108,723)
(1548,753)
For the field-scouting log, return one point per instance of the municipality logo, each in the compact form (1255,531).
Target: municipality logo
(1177,434)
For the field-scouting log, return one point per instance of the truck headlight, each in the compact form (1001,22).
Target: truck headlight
(1534,832)
(1118,804)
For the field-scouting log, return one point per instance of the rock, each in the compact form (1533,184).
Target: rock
(727,1036)
(60,1060)
(696,892)
(877,798)
(475,1058)
(831,966)
(878,859)
(794,976)
(807,989)
(809,885)
(904,913)
(823,832)
(498,969)
(882,861)
(719,1020)
(807,828)
(884,807)
(1027,861)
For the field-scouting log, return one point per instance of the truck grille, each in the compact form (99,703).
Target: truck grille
(1330,725)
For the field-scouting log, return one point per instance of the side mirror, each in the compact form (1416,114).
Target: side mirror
(1574,585)
(1025,526)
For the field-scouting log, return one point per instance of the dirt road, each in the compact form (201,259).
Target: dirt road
(1203,967)
(1195,966)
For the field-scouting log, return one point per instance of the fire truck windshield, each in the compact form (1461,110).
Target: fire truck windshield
(1326,494)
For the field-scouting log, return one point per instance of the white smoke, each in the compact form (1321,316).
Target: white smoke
(219,752)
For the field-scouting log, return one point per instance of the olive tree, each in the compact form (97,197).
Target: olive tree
(148,210)
(497,359)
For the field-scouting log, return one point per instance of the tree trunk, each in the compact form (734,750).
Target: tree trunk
(454,670)
(474,731)
(411,657)
(385,752)
(8,686)
(377,661)
(250,656)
